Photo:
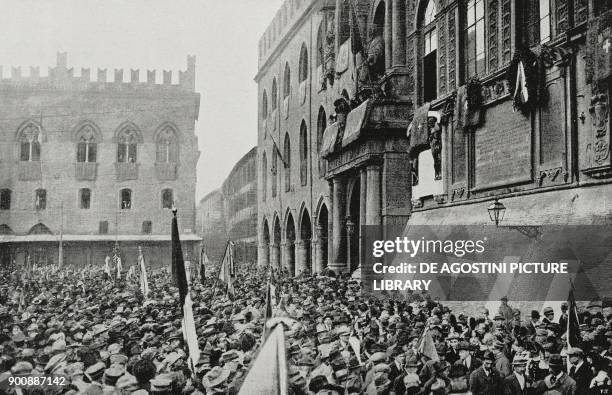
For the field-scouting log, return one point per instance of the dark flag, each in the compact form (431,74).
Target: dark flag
(356,43)
(268,302)
(573,324)
(180,277)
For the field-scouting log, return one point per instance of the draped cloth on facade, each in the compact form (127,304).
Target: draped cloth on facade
(418,131)
(329,139)
(355,121)
(599,48)
(467,106)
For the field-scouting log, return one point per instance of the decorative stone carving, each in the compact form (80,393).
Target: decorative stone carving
(440,199)
(374,66)
(329,54)
(457,194)
(417,203)
(551,174)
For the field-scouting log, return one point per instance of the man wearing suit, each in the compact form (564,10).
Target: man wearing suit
(517,383)
(467,358)
(580,370)
(486,380)
(557,382)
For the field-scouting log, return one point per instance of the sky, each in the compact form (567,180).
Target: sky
(156,34)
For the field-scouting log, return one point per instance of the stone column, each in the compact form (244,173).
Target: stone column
(338,226)
(363,198)
(374,196)
(318,249)
(263,255)
(275,256)
(387,34)
(398,27)
(300,256)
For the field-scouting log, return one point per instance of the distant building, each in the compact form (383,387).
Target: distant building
(210,224)
(231,213)
(92,162)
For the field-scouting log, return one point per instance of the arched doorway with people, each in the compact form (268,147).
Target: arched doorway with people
(289,258)
(304,252)
(322,242)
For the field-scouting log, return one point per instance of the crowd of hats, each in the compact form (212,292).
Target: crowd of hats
(104,337)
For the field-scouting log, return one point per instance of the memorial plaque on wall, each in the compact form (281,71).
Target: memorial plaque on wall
(503,148)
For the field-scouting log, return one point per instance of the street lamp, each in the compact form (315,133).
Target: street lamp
(496,211)
(496,214)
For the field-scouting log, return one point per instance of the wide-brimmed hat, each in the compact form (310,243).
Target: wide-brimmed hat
(555,361)
(215,377)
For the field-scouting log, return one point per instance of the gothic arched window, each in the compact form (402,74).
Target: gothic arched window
(87,145)
(475,38)
(29,140)
(303,154)
(127,145)
(274,94)
(264,106)
(287,162)
(303,70)
(166,146)
(430,53)
(264,176)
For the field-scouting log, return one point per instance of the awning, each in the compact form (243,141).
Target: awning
(92,238)
(329,139)
(354,123)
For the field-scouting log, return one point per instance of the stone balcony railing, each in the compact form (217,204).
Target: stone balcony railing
(30,171)
(165,171)
(85,171)
(126,171)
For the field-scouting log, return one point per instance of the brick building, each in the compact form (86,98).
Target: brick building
(230,213)
(92,162)
(418,120)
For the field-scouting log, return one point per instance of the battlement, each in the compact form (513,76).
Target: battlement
(62,77)
(285,17)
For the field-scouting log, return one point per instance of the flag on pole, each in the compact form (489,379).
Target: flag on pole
(180,277)
(268,375)
(119,267)
(107,269)
(144,282)
(426,347)
(226,271)
(573,323)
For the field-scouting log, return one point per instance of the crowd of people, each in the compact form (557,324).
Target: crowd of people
(101,335)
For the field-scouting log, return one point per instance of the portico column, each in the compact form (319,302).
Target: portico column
(338,226)
(318,249)
(374,197)
(275,256)
(398,43)
(264,255)
(388,34)
(300,256)
(363,197)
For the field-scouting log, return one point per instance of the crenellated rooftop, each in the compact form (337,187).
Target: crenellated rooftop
(62,77)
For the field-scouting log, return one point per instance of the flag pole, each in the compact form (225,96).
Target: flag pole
(219,271)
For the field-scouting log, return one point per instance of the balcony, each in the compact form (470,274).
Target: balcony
(85,171)
(126,171)
(165,171)
(30,171)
